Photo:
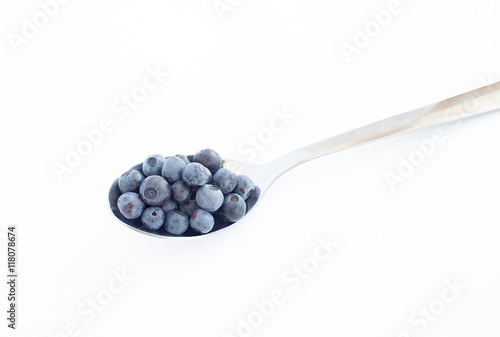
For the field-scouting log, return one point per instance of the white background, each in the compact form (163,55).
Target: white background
(227,76)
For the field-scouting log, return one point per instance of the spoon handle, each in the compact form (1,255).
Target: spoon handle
(472,103)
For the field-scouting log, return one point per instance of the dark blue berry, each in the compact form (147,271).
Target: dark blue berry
(225,180)
(130,181)
(168,206)
(154,191)
(196,174)
(244,186)
(172,169)
(189,207)
(153,218)
(202,221)
(208,158)
(183,157)
(209,197)
(253,198)
(176,222)
(130,205)
(152,165)
(194,189)
(181,192)
(234,207)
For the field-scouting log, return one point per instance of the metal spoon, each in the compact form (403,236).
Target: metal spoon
(469,104)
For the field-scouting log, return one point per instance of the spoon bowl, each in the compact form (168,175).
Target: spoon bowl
(220,224)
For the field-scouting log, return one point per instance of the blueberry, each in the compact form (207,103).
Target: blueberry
(130,205)
(172,169)
(155,190)
(181,192)
(183,157)
(130,181)
(168,206)
(190,158)
(202,221)
(209,197)
(189,207)
(253,198)
(194,189)
(153,218)
(195,174)
(244,186)
(152,165)
(208,158)
(225,180)
(220,221)
(176,223)
(234,207)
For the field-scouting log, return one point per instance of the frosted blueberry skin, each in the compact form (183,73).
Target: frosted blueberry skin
(130,205)
(234,207)
(130,181)
(201,221)
(184,158)
(196,174)
(168,206)
(181,192)
(225,180)
(172,169)
(208,158)
(154,191)
(176,223)
(152,165)
(153,218)
(244,186)
(189,207)
(253,198)
(209,197)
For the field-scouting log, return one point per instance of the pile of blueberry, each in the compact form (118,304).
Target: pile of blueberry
(184,195)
